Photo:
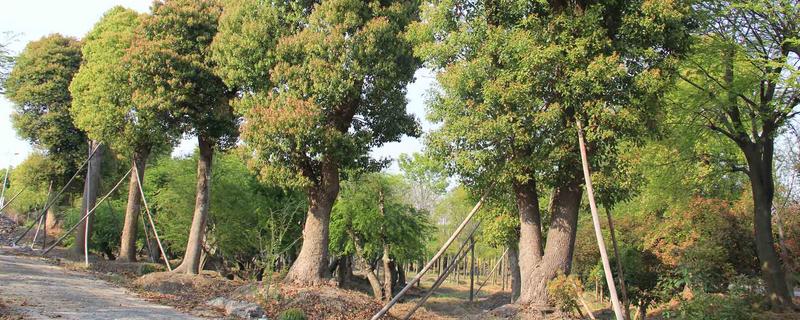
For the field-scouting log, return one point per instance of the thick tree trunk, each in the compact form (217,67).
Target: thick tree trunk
(560,243)
(514,272)
(127,250)
(759,160)
(91,186)
(530,235)
(191,259)
(310,268)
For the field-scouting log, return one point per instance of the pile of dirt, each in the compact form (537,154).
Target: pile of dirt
(7,314)
(185,292)
(324,302)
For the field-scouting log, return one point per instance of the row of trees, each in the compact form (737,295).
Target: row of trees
(313,86)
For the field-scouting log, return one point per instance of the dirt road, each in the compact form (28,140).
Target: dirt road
(37,290)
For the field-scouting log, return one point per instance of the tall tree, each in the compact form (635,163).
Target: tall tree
(105,106)
(515,77)
(38,86)
(322,84)
(173,70)
(6,60)
(742,83)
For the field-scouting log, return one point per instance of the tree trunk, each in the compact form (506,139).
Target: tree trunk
(310,266)
(759,160)
(557,257)
(344,272)
(91,186)
(514,272)
(191,259)
(369,268)
(530,235)
(127,250)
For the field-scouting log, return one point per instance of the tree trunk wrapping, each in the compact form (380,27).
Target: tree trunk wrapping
(191,259)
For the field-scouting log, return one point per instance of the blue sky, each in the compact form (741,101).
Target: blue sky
(33,19)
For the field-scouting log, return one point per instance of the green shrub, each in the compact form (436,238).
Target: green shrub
(563,292)
(106,228)
(292,314)
(707,306)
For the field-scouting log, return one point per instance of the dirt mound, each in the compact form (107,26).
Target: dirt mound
(176,283)
(7,228)
(328,303)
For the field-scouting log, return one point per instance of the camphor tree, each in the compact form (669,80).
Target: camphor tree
(172,72)
(515,77)
(105,106)
(38,88)
(741,82)
(373,222)
(320,85)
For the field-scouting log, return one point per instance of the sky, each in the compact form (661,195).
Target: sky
(32,19)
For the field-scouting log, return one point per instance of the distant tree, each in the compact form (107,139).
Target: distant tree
(106,107)
(427,179)
(38,86)
(372,222)
(320,86)
(6,60)
(172,70)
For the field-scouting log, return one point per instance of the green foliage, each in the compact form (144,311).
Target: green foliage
(37,86)
(708,306)
(6,60)
(248,224)
(32,178)
(104,104)
(292,314)
(322,91)
(357,214)
(427,180)
(515,76)
(563,291)
(172,71)
(106,227)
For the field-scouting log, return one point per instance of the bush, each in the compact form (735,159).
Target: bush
(292,314)
(106,228)
(707,306)
(563,292)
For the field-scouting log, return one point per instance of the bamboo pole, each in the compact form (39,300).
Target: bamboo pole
(12,199)
(622,287)
(88,213)
(596,220)
(150,217)
(428,265)
(471,269)
(459,254)
(49,204)
(487,278)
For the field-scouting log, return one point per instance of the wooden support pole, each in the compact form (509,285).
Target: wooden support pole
(471,268)
(150,217)
(428,265)
(596,220)
(88,213)
(461,253)
(492,272)
(622,287)
(55,198)
(12,199)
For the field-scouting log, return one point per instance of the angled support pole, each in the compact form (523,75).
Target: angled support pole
(435,257)
(150,217)
(55,198)
(490,272)
(86,216)
(587,175)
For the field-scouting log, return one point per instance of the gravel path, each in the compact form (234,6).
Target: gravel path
(38,290)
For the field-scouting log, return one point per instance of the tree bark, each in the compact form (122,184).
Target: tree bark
(369,269)
(560,243)
(191,259)
(759,160)
(514,272)
(310,267)
(344,272)
(91,186)
(127,250)
(530,235)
